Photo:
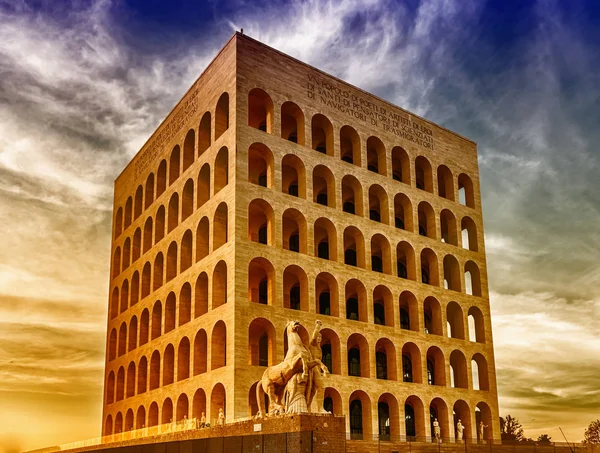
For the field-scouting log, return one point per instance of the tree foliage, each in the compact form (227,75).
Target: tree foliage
(592,433)
(544,439)
(511,429)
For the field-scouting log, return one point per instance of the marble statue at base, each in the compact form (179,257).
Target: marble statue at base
(292,384)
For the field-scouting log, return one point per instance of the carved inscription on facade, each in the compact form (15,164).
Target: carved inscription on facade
(353,104)
(167,132)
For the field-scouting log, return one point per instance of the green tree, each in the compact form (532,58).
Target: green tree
(592,433)
(511,429)
(544,439)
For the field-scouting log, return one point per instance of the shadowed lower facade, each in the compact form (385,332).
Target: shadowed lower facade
(275,192)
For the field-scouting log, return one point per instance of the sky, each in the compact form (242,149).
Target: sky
(83,84)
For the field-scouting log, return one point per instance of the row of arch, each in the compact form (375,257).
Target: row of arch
(393,419)
(376,205)
(168,367)
(179,257)
(355,305)
(261,116)
(355,357)
(176,312)
(294,231)
(179,208)
(181,158)
(168,411)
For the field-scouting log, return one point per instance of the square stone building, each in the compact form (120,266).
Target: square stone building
(275,192)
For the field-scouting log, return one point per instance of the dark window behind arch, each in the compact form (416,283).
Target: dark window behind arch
(354,362)
(381,364)
(356,428)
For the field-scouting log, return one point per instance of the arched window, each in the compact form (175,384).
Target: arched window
(350,145)
(354,247)
(261,342)
(118,223)
(202,239)
(260,165)
(433,316)
(173,219)
(407,369)
(185,304)
(292,123)
(260,110)
(218,356)
(204,134)
(409,415)
(376,156)
(451,273)
(469,234)
(354,362)
(358,356)
(144,326)
(189,152)
(203,190)
(325,239)
(476,325)
(222,115)
(381,364)
(322,134)
(466,195)
(157,280)
(423,174)
(142,378)
(324,186)
(172,261)
(294,231)
(160,225)
(260,222)
(293,176)
(161,178)
(174,164)
(170,312)
(378,204)
(380,254)
(187,200)
(114,303)
(149,191)
(200,348)
(356,301)
(219,285)
(445,183)
(128,213)
(448,227)
(352,202)
(429,267)
(326,294)
(436,374)
(221,169)
(156,320)
(220,226)
(356,428)
(138,204)
(261,276)
(183,359)
(383,414)
(400,165)
(472,279)
(201,295)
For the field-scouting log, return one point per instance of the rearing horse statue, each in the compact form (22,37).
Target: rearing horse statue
(298,359)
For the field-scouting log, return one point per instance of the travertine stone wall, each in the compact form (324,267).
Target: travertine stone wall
(231,278)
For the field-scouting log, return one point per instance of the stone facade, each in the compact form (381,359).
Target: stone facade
(275,192)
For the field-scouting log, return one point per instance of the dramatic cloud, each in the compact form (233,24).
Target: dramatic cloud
(79,96)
